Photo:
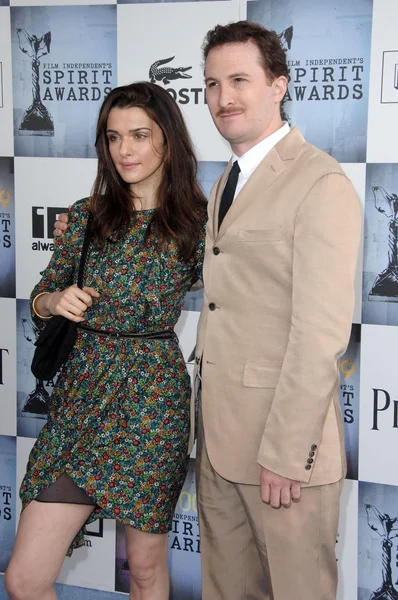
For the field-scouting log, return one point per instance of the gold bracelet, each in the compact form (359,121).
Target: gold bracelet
(34,307)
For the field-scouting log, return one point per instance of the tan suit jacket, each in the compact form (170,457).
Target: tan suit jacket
(279,298)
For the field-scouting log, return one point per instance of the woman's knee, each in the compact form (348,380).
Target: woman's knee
(144,568)
(20,586)
(147,559)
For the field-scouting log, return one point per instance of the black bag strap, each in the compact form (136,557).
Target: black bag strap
(83,256)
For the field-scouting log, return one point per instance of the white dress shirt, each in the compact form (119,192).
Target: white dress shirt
(250,160)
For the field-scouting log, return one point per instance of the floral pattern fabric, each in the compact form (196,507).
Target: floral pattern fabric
(118,420)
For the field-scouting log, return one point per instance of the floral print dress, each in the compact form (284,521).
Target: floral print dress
(118,420)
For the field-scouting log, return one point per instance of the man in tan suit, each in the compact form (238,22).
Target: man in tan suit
(279,276)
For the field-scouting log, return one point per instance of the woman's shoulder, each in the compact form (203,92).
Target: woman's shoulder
(80,210)
(77,221)
(78,215)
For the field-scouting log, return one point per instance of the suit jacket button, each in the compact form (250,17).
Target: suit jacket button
(314,447)
(212,306)
(216,250)
(311,454)
(310,461)
(307,467)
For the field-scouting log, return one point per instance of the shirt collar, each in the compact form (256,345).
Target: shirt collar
(250,160)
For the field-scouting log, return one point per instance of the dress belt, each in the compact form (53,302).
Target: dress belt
(167,334)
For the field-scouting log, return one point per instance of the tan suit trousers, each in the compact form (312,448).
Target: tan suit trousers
(251,551)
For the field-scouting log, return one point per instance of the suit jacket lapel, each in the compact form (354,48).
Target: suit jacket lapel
(275,163)
(215,200)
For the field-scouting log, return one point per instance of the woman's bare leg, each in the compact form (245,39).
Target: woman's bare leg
(147,557)
(45,532)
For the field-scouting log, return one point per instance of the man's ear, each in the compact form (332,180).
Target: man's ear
(279,86)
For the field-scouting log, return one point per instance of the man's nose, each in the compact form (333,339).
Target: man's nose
(226,97)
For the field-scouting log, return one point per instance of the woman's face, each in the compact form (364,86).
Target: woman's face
(136,145)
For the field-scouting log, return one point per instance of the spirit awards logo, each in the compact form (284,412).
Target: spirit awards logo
(36,404)
(61,82)
(385,287)
(43,220)
(387,528)
(37,119)
(389,77)
(322,78)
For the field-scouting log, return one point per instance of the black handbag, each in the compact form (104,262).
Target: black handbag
(58,337)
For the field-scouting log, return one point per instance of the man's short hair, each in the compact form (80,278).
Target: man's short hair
(272,53)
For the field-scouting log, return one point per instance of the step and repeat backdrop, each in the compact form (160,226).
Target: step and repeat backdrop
(58,60)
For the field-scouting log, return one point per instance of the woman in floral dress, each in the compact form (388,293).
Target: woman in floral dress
(115,443)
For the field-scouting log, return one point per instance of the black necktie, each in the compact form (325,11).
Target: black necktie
(229,192)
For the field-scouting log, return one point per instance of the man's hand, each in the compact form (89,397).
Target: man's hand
(61,225)
(277,490)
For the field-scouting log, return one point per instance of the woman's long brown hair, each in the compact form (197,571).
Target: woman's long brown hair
(180,201)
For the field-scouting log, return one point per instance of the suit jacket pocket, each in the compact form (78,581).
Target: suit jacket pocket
(261,375)
(260,235)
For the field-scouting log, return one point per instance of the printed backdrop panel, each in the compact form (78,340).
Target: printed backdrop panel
(349,399)
(378,423)
(6,137)
(65,57)
(357,173)
(377,544)
(8,354)
(157,1)
(328,47)
(174,61)
(45,187)
(347,542)
(7,228)
(383,90)
(7,498)
(380,282)
(32,393)
(58,2)
(94,557)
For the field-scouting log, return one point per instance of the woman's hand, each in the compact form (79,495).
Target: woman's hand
(72,303)
(61,224)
